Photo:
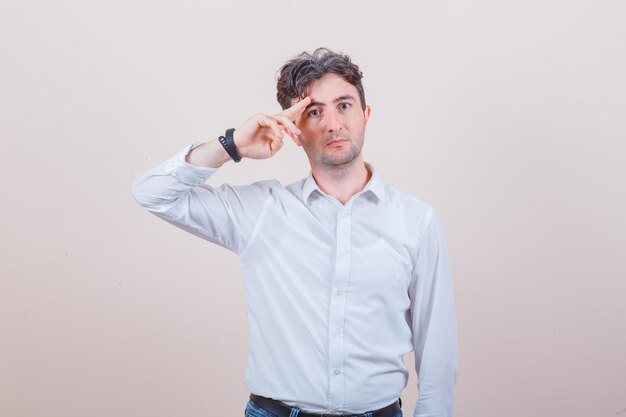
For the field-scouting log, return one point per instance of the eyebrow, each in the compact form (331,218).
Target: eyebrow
(338,99)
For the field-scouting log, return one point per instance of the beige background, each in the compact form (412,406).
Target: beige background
(507,116)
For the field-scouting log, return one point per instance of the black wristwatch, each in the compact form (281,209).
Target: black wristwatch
(228,142)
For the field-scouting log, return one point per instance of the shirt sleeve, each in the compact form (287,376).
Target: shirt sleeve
(434,323)
(175,191)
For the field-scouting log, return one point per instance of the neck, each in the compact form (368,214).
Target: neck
(342,182)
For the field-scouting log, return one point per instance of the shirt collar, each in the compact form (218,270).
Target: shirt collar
(376,185)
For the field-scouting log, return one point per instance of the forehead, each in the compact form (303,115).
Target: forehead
(329,87)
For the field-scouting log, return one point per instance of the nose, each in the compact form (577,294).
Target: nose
(333,124)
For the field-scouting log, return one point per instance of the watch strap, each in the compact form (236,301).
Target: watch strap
(228,142)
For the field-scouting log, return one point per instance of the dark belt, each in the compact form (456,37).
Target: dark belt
(283,410)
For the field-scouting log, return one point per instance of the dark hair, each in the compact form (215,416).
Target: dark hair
(298,73)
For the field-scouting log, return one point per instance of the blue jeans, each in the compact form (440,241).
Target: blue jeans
(253,410)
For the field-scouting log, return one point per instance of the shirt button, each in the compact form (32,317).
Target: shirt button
(336,372)
(343,252)
(339,292)
(344,214)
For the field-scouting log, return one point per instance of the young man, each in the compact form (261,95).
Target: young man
(344,274)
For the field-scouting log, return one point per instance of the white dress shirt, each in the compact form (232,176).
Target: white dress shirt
(336,294)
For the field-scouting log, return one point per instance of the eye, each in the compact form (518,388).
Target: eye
(345,105)
(314,113)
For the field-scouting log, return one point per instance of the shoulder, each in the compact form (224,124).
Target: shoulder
(407,202)
(416,214)
(272,189)
(268,185)
(245,194)
(262,185)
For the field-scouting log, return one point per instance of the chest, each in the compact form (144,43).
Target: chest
(321,244)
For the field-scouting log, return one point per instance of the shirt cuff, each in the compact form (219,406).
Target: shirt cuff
(185,172)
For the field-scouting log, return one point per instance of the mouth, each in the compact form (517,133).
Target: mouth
(336,142)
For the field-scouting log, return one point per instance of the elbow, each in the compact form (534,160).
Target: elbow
(140,193)
(151,194)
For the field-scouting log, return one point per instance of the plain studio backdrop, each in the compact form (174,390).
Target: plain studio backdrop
(506,116)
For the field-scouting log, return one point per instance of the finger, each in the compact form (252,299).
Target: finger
(266,121)
(296,110)
(275,144)
(288,124)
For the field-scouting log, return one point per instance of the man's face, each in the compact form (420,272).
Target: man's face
(333,124)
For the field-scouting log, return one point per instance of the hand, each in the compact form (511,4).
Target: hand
(261,136)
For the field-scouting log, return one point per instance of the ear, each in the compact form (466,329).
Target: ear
(367,113)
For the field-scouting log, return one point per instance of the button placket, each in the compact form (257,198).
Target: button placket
(336,348)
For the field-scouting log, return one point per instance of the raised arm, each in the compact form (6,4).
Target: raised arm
(226,215)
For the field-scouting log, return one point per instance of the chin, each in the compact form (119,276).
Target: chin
(339,160)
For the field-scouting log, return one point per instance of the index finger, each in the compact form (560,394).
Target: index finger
(296,110)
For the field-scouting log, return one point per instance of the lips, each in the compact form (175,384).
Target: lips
(336,142)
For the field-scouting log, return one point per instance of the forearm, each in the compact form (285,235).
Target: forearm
(437,377)
(209,155)
(438,358)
